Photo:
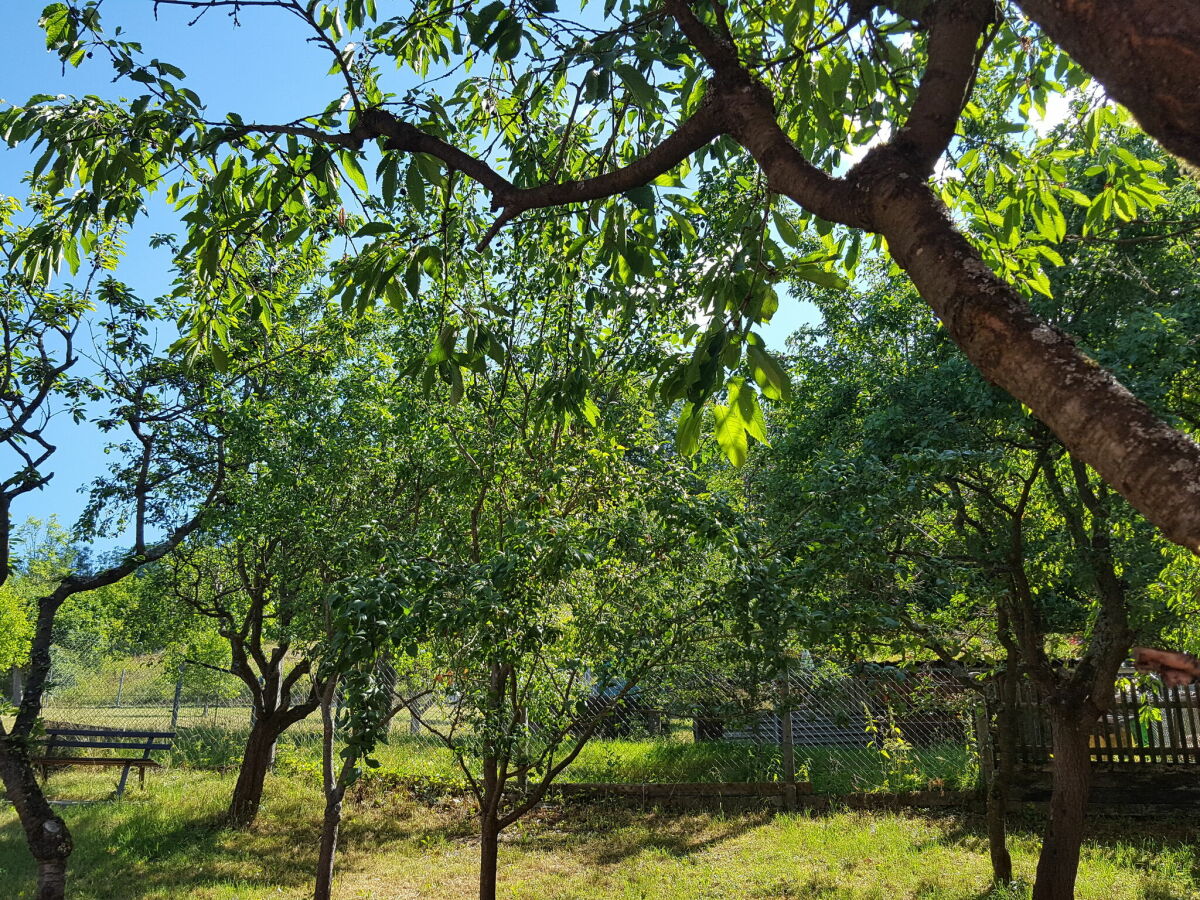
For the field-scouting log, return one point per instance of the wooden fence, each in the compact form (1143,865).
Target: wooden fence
(1144,725)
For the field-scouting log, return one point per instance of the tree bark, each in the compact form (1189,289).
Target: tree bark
(331,823)
(997,829)
(998,788)
(274,713)
(1146,53)
(46,833)
(256,762)
(1058,863)
(489,854)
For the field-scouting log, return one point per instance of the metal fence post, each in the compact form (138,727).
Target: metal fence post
(787,749)
(178,697)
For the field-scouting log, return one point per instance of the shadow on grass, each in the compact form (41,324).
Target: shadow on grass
(1166,850)
(148,845)
(608,834)
(172,842)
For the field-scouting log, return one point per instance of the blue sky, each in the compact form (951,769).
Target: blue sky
(265,70)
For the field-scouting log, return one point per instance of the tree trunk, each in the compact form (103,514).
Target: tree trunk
(256,762)
(489,853)
(1059,861)
(327,854)
(47,835)
(1003,752)
(997,829)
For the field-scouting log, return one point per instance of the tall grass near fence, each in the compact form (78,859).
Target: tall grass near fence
(851,733)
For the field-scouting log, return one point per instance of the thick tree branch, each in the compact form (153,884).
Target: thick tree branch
(39,668)
(1146,53)
(955,50)
(1154,466)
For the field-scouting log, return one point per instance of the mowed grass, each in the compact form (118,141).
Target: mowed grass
(166,842)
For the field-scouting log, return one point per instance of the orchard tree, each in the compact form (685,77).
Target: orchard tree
(169,470)
(564,554)
(549,593)
(603,115)
(921,505)
(88,351)
(331,441)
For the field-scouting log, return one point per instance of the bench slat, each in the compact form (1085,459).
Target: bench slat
(111,745)
(94,761)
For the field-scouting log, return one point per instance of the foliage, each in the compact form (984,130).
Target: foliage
(887,458)
(560,101)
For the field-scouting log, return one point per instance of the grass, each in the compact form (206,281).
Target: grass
(831,770)
(166,843)
(214,737)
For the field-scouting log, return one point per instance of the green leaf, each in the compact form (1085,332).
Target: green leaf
(371,229)
(769,304)
(769,375)
(479,27)
(817,275)
(56,22)
(415,186)
(412,276)
(508,43)
(636,83)
(641,197)
(750,412)
(731,433)
(590,411)
(456,383)
(354,170)
(785,229)
(687,430)
(443,347)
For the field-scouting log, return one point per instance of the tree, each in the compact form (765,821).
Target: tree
(949,517)
(166,418)
(603,117)
(562,555)
(169,471)
(572,588)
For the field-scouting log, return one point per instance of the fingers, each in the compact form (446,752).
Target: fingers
(1175,668)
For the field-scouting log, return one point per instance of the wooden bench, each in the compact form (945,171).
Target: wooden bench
(59,738)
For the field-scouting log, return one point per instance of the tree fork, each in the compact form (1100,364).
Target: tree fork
(1154,466)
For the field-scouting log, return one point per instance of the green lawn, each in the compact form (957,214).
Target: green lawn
(165,843)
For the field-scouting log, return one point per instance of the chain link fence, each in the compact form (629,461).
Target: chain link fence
(853,728)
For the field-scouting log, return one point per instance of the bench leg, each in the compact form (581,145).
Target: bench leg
(121,786)
(142,777)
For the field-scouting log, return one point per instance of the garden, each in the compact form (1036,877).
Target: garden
(661,448)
